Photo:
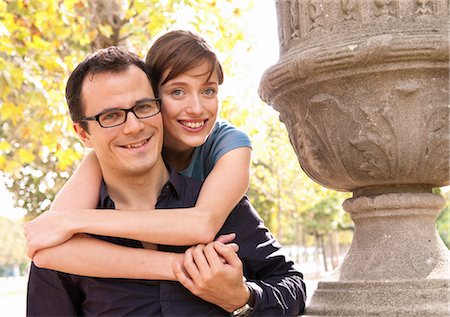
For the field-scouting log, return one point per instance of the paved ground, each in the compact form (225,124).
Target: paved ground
(13,294)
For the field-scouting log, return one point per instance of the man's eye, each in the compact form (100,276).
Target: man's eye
(146,108)
(110,116)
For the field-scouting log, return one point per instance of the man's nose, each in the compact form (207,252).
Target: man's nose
(132,123)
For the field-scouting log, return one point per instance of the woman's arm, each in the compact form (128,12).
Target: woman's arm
(84,255)
(85,182)
(88,256)
(222,190)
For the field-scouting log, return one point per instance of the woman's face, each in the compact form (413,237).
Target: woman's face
(189,108)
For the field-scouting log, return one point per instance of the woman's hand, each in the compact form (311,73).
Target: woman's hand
(47,230)
(214,273)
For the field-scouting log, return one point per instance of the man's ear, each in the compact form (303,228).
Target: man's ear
(84,136)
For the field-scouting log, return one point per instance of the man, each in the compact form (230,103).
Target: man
(115,89)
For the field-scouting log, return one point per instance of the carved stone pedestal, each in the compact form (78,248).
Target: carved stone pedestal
(363,88)
(397,264)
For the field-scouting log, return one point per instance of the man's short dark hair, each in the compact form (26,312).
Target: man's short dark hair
(110,59)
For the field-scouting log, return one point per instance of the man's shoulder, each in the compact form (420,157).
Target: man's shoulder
(192,183)
(187,187)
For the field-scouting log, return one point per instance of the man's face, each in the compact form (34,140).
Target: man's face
(133,147)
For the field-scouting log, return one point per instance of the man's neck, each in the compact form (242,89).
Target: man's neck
(138,191)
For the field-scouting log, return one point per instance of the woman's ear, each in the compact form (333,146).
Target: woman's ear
(83,135)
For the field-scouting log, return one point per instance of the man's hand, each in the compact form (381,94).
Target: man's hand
(214,273)
(49,229)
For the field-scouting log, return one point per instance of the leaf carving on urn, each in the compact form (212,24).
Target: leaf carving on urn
(424,7)
(316,14)
(376,141)
(349,8)
(385,8)
(319,144)
(437,140)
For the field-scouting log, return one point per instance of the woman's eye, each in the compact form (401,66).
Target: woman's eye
(177,92)
(209,91)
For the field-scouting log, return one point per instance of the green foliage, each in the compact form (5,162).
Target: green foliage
(443,220)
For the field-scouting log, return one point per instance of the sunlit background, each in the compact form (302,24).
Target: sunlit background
(305,217)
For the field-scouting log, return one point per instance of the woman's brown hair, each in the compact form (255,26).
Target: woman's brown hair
(180,51)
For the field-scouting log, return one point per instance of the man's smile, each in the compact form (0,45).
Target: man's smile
(136,144)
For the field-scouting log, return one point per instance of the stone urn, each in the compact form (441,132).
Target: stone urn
(363,89)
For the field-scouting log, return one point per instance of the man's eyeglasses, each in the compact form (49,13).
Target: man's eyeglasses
(145,108)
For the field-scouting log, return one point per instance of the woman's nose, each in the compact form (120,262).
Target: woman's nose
(194,106)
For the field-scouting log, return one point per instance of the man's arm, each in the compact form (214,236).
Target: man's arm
(278,288)
(51,293)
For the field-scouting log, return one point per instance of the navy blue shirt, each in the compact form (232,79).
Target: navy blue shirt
(279,287)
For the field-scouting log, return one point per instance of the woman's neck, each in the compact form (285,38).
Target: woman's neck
(180,160)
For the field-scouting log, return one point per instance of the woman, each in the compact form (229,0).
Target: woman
(194,143)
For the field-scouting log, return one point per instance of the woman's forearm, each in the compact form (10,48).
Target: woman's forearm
(85,183)
(188,226)
(200,224)
(84,255)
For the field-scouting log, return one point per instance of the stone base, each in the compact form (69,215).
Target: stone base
(397,264)
(366,298)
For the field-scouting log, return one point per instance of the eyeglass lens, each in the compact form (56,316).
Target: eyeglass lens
(119,116)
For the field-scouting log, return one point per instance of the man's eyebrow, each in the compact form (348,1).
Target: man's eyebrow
(137,102)
(109,109)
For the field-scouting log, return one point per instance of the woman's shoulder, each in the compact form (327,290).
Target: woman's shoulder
(224,128)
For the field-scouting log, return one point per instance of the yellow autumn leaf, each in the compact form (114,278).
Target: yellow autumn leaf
(53,65)
(5,147)
(3,166)
(105,30)
(66,158)
(17,77)
(25,156)
(8,111)
(39,43)
(48,140)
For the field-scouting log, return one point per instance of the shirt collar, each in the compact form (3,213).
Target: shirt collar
(175,182)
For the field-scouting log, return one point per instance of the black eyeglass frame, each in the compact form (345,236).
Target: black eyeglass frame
(139,103)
